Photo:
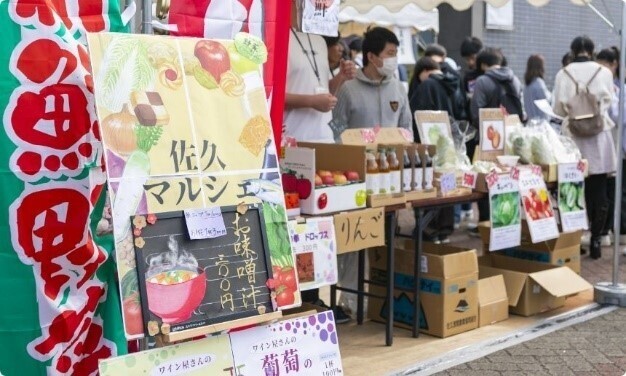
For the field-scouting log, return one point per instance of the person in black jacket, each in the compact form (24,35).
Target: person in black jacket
(434,91)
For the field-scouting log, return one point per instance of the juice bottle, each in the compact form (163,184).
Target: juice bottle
(372,176)
(418,172)
(383,168)
(407,172)
(395,175)
(428,171)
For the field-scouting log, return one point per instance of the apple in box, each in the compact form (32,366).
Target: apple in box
(335,181)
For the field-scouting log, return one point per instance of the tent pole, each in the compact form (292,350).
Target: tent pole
(614,292)
(146,16)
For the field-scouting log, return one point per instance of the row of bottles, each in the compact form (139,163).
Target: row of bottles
(384,173)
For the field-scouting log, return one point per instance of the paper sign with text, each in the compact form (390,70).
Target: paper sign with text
(537,206)
(315,247)
(360,229)
(572,205)
(321,17)
(447,183)
(504,212)
(469,179)
(205,223)
(301,346)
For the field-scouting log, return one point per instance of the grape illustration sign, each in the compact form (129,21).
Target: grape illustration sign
(572,197)
(185,125)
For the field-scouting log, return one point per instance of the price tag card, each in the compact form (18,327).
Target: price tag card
(313,243)
(537,206)
(572,205)
(447,183)
(321,17)
(469,179)
(205,223)
(505,214)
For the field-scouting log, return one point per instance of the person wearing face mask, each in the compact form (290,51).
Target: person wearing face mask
(375,97)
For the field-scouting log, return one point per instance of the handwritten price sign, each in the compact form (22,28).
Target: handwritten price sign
(447,183)
(515,173)
(469,179)
(536,170)
(205,223)
(491,178)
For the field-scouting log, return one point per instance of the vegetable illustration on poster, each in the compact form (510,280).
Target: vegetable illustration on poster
(185,125)
(504,211)
(537,205)
(572,206)
(492,135)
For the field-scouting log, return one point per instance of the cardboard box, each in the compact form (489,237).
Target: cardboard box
(568,256)
(448,288)
(388,135)
(493,303)
(551,172)
(307,158)
(532,287)
(359,229)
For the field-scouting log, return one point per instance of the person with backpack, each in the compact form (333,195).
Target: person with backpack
(535,88)
(583,93)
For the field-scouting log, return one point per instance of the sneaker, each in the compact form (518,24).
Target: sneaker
(457,225)
(595,250)
(466,215)
(586,239)
(444,240)
(341,317)
(473,232)
(606,240)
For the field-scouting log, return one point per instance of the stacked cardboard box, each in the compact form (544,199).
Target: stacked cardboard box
(448,288)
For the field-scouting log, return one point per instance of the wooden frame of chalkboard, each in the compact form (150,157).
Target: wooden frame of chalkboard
(188,284)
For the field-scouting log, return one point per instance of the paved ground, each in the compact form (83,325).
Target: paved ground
(595,347)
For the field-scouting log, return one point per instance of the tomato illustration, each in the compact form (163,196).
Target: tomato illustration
(288,278)
(132,314)
(284,297)
(322,201)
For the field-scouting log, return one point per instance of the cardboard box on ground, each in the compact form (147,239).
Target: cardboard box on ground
(493,302)
(448,288)
(532,287)
(563,251)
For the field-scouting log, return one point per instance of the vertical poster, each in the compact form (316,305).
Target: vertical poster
(185,124)
(301,346)
(315,249)
(431,125)
(537,205)
(504,211)
(492,133)
(572,207)
(61,311)
(207,356)
(320,17)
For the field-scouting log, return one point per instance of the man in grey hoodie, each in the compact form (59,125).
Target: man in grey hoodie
(375,97)
(490,88)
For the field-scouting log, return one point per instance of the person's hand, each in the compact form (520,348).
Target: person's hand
(347,68)
(324,102)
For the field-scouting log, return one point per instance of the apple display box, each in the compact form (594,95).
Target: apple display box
(338,162)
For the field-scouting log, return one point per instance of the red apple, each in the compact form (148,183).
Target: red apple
(340,179)
(318,180)
(352,176)
(323,173)
(213,58)
(328,180)
(303,187)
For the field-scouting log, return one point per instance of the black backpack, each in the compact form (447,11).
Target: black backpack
(509,99)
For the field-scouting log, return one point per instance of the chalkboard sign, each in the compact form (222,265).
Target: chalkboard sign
(186,284)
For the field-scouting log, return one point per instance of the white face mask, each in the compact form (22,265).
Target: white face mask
(389,68)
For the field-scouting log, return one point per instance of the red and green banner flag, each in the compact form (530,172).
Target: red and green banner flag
(60,312)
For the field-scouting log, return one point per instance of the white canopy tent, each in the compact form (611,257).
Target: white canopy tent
(409,16)
(363,6)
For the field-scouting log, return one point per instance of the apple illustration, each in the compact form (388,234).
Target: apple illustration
(352,176)
(328,180)
(290,182)
(318,181)
(303,187)
(213,58)
(322,201)
(340,179)
(360,198)
(323,173)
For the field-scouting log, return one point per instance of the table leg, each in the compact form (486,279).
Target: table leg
(361,288)
(333,296)
(419,218)
(390,230)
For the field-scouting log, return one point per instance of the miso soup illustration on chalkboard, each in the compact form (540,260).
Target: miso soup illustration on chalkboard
(185,283)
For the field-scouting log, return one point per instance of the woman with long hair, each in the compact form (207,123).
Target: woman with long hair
(535,88)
